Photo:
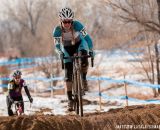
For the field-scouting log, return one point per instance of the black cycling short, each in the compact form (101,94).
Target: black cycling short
(69,65)
(9,104)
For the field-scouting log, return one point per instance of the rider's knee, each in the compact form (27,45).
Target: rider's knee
(84,60)
(68,79)
(68,72)
(84,69)
(69,86)
(84,63)
(83,52)
(10,112)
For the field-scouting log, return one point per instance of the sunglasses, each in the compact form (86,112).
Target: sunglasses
(65,22)
(17,77)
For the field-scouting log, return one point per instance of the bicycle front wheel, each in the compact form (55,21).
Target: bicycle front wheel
(80,100)
(75,93)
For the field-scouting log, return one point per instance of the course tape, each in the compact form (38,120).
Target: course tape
(17,61)
(110,80)
(23,67)
(3,86)
(55,88)
(105,96)
(45,79)
(38,79)
(20,61)
(137,84)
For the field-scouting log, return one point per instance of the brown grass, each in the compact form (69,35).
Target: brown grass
(132,115)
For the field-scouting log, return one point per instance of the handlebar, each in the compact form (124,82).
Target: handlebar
(15,102)
(77,57)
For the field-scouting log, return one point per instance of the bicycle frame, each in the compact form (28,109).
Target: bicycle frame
(77,83)
(77,87)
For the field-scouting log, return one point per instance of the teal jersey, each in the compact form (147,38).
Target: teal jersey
(79,30)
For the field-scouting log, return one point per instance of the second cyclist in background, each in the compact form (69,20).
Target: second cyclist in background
(14,91)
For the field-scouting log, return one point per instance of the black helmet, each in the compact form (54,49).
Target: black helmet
(17,73)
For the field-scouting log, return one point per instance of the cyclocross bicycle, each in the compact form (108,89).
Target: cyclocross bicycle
(18,107)
(77,86)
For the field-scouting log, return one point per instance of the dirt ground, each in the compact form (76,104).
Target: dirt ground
(132,117)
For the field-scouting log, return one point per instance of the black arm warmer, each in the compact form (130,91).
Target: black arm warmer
(27,91)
